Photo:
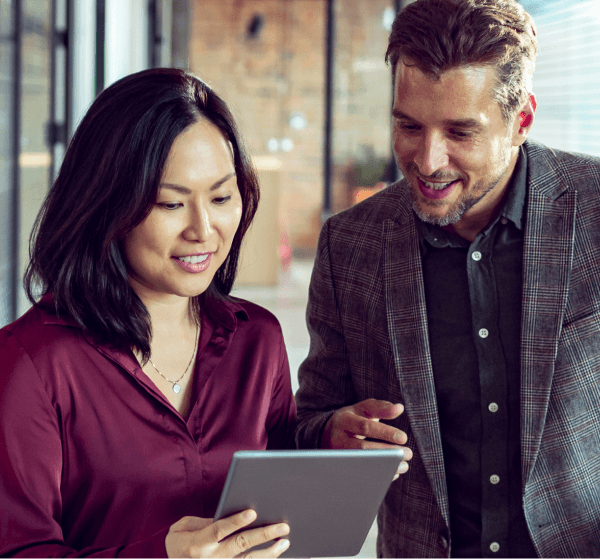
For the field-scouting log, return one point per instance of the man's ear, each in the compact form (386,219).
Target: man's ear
(524,121)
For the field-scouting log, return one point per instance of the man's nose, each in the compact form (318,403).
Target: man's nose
(432,154)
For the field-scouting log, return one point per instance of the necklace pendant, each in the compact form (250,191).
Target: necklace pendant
(176,388)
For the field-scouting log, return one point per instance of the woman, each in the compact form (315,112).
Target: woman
(127,387)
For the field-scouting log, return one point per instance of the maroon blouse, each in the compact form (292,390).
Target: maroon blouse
(94,460)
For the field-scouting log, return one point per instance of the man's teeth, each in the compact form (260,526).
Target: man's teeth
(436,185)
(194,259)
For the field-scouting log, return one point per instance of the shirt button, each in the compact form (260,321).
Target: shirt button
(493,407)
(495,479)
(476,256)
(483,333)
(504,221)
(495,547)
(443,542)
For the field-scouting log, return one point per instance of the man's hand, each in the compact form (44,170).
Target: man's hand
(358,426)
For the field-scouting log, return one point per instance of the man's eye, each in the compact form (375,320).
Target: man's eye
(405,127)
(460,134)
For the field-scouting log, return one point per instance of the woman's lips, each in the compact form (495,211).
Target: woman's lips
(194,267)
(434,194)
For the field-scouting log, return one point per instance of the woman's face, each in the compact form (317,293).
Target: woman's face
(176,251)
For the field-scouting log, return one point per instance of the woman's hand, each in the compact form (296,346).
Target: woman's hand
(201,537)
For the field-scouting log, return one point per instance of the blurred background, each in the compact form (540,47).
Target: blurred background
(307,83)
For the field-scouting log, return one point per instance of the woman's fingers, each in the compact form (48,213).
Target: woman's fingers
(274,550)
(240,543)
(200,537)
(227,526)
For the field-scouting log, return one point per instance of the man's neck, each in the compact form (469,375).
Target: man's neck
(486,210)
(469,228)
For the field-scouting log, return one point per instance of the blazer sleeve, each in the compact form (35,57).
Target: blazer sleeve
(31,461)
(324,377)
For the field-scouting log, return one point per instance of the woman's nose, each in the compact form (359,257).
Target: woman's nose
(200,226)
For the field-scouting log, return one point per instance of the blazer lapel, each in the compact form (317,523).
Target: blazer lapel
(547,262)
(407,326)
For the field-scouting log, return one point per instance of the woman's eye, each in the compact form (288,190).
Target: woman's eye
(222,199)
(169,205)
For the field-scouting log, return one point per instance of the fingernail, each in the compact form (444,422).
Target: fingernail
(283,544)
(283,529)
(249,515)
(403,467)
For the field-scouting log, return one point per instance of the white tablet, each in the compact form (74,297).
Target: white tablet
(329,498)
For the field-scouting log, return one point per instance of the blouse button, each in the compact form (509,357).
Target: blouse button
(483,333)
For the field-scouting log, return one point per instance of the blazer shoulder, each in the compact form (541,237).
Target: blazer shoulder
(553,171)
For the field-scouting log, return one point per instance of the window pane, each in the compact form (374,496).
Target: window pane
(362,102)
(35,113)
(567,76)
(6,108)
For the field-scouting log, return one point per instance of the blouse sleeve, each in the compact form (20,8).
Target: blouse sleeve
(281,422)
(31,463)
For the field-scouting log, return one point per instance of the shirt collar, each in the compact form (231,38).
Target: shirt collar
(225,312)
(513,209)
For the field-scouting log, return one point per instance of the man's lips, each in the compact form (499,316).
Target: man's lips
(436,190)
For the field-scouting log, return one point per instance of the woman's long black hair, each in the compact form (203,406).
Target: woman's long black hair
(107,185)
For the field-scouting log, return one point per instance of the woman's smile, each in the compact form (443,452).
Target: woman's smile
(194,264)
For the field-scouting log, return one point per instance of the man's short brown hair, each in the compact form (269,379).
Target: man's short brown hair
(438,35)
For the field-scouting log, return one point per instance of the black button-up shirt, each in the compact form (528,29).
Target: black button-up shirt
(473,294)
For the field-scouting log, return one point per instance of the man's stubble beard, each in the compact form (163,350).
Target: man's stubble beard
(463,204)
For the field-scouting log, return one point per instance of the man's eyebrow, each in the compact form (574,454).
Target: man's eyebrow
(397,113)
(458,123)
(184,190)
(465,123)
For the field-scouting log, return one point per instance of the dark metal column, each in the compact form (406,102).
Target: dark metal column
(16,152)
(100,40)
(329,92)
(70,77)
(155,37)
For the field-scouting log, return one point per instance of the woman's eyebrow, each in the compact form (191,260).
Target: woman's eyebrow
(184,190)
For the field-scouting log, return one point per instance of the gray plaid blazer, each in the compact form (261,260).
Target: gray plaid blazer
(369,339)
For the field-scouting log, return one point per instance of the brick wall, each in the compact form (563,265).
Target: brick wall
(277,73)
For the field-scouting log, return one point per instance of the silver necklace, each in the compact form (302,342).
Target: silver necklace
(176,387)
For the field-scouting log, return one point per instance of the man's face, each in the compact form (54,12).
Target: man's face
(452,143)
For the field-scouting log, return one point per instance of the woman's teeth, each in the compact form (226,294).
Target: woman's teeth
(436,185)
(194,259)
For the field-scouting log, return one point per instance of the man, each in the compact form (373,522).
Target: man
(461,306)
